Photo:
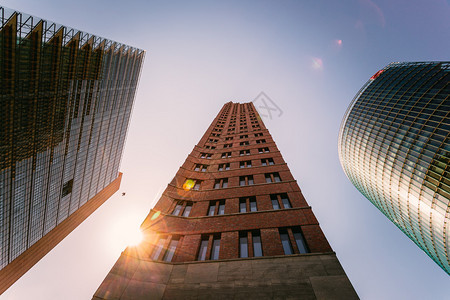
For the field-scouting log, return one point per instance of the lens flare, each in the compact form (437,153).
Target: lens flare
(317,63)
(189,184)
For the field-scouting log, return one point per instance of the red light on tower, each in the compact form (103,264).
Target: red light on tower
(376,74)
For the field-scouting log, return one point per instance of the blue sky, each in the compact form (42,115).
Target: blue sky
(201,54)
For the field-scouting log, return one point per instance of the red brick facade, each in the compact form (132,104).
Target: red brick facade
(249,134)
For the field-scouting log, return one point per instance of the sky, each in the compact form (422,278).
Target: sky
(310,58)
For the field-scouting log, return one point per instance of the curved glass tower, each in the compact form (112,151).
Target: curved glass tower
(394,146)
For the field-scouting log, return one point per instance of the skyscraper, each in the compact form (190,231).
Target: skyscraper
(232,223)
(65,104)
(394,146)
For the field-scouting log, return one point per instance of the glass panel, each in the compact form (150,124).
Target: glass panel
(257,248)
(225,183)
(275,204)
(212,209)
(197,186)
(242,207)
(242,181)
(253,206)
(177,210)
(215,249)
(171,251)
(243,247)
(285,201)
(299,240)
(202,250)
(221,209)
(287,247)
(187,210)
(250,180)
(158,249)
(268,179)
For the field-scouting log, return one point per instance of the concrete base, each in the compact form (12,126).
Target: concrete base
(307,276)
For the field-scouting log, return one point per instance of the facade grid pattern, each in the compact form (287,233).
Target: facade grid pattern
(394,146)
(65,104)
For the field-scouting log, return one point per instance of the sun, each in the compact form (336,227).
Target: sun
(125,232)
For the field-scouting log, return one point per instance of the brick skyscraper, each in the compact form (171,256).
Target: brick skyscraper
(232,223)
(65,103)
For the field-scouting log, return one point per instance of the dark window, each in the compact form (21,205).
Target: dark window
(221,183)
(67,188)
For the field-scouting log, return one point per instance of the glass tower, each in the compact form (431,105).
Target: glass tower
(65,103)
(394,146)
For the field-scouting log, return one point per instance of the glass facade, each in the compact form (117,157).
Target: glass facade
(394,146)
(65,102)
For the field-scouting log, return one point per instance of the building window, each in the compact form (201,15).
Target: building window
(245,164)
(205,155)
(158,248)
(286,242)
(247,204)
(226,154)
(182,206)
(177,208)
(267,161)
(228,145)
(258,134)
(221,183)
(300,240)
(260,141)
(171,250)
(223,167)
(244,152)
(246,180)
(220,204)
(210,147)
(272,177)
(203,254)
(296,233)
(263,150)
(199,167)
(246,143)
(192,184)
(203,249)
(215,248)
(243,136)
(280,198)
(67,188)
(244,244)
(257,246)
(212,140)
(187,209)
(228,138)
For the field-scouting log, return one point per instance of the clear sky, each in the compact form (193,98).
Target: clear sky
(201,54)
